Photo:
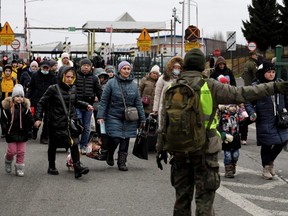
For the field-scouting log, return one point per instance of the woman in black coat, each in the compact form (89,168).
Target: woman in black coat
(59,131)
(270,136)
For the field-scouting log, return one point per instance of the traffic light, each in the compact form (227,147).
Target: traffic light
(5,60)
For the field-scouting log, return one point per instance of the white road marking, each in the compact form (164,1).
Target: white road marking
(241,202)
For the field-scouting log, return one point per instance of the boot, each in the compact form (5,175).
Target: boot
(271,168)
(122,156)
(79,170)
(19,170)
(234,167)
(8,165)
(52,170)
(110,155)
(266,173)
(103,155)
(229,171)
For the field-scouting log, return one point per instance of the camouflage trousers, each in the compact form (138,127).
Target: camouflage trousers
(189,172)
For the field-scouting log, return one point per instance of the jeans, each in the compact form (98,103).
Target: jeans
(231,157)
(85,118)
(18,149)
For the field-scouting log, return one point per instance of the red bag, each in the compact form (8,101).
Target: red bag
(145,100)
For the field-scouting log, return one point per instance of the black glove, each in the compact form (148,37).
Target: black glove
(161,155)
(281,87)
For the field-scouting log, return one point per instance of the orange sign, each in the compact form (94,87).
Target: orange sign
(6,35)
(144,36)
(6,29)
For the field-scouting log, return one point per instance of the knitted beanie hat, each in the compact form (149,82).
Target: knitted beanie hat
(122,64)
(53,62)
(33,63)
(65,55)
(18,90)
(155,69)
(194,60)
(85,61)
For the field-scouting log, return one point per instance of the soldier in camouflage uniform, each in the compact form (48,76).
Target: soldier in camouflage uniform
(201,169)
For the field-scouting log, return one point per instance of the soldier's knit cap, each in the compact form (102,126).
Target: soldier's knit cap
(194,60)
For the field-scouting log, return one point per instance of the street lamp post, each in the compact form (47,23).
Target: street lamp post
(196,5)
(25,27)
(26,24)
(176,19)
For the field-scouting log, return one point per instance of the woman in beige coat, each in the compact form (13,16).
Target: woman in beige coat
(171,72)
(147,89)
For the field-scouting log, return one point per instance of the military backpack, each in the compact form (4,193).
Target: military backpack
(183,125)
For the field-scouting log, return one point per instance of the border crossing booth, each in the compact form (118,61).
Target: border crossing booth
(281,63)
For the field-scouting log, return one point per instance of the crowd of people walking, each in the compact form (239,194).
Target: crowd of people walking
(56,95)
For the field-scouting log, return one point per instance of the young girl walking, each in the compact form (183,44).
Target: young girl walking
(16,122)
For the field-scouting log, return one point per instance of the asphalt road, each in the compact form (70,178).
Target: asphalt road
(142,191)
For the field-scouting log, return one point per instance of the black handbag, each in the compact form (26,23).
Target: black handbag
(74,125)
(281,116)
(140,148)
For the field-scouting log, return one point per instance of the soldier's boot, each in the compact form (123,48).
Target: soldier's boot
(79,170)
(19,170)
(266,173)
(8,165)
(229,171)
(122,156)
(271,168)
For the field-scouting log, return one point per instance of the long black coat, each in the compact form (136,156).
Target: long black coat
(57,119)
(39,83)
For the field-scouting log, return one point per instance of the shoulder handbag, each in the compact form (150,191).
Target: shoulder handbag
(74,125)
(281,116)
(130,112)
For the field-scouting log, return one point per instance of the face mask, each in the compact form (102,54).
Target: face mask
(44,72)
(176,72)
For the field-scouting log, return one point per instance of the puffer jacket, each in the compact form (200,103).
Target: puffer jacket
(267,131)
(147,88)
(57,119)
(111,107)
(88,86)
(21,126)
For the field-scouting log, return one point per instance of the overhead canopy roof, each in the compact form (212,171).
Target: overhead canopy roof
(124,24)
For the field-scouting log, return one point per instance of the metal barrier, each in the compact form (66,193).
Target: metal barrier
(281,63)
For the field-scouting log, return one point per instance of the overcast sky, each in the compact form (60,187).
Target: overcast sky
(213,16)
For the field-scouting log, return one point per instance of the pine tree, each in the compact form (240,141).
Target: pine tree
(263,26)
(283,20)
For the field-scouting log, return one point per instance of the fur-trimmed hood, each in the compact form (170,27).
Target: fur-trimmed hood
(170,65)
(6,103)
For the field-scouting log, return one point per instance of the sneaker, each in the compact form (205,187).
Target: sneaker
(52,171)
(83,151)
(243,142)
(266,173)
